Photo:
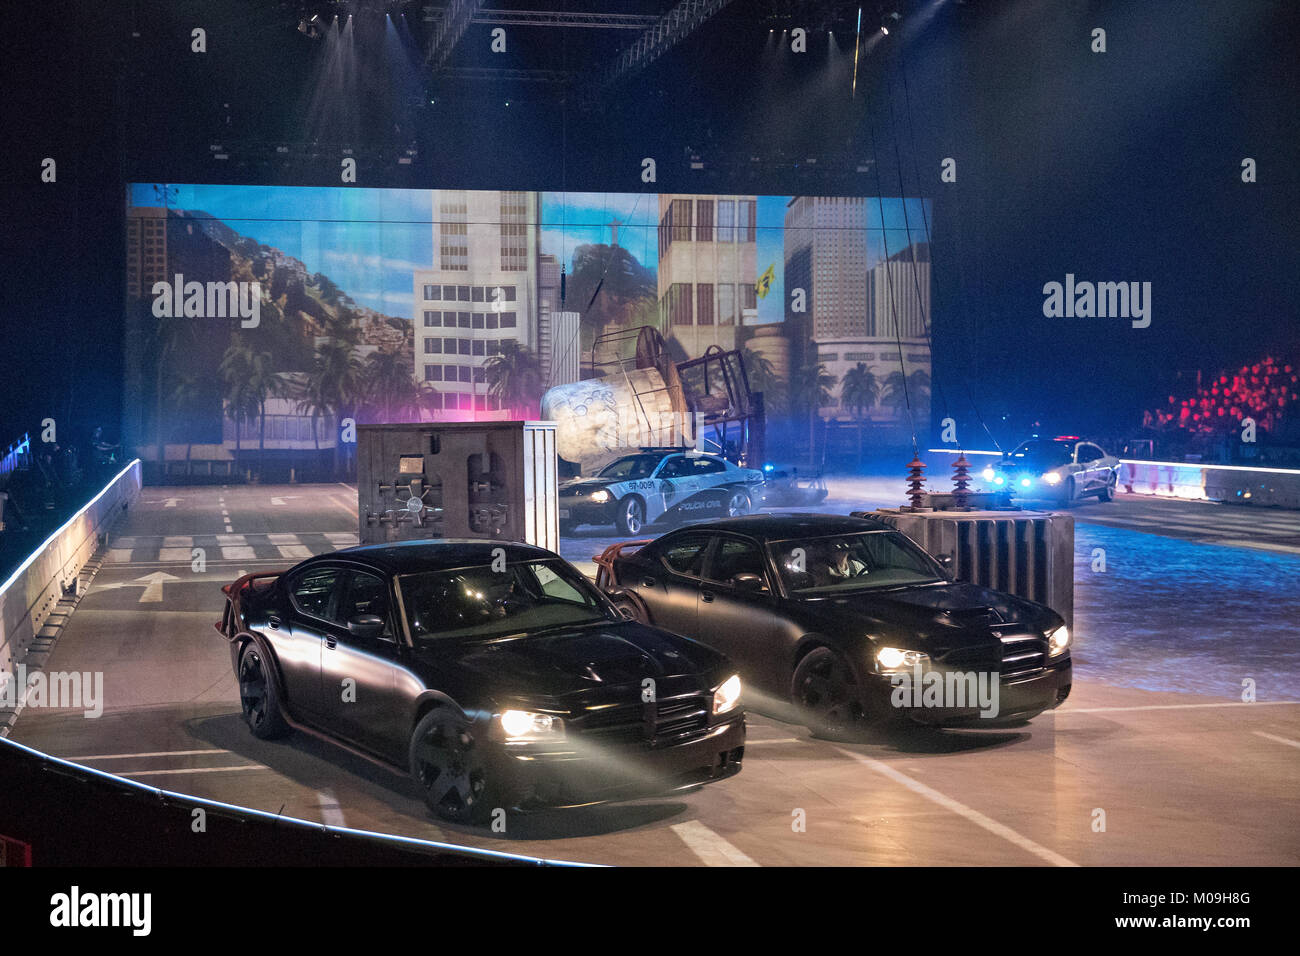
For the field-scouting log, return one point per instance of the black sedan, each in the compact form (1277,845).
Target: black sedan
(494,673)
(846,619)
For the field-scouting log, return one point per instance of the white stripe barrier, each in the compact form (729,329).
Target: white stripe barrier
(33,590)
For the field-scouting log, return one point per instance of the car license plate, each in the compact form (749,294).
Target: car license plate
(564,512)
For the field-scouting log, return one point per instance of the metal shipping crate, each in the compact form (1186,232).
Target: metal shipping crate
(493,480)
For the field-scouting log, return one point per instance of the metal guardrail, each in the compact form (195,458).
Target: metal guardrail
(31,593)
(14,457)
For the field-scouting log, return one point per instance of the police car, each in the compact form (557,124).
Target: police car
(1061,469)
(658,484)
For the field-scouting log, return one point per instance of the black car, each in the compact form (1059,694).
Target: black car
(496,674)
(835,614)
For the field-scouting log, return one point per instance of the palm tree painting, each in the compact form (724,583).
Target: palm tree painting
(810,388)
(514,378)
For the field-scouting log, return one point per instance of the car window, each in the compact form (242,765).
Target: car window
(685,555)
(1088,453)
(483,602)
(367,594)
(734,557)
(707,466)
(673,468)
(314,591)
(631,468)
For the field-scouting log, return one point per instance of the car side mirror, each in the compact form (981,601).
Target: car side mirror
(747,582)
(366,625)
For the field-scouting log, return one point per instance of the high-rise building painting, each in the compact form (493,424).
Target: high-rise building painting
(481,292)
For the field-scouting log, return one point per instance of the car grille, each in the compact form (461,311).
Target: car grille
(669,720)
(1022,657)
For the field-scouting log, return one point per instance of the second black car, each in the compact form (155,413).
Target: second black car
(833,614)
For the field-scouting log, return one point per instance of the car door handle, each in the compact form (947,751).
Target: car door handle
(331,642)
(706,597)
(273,622)
(647,582)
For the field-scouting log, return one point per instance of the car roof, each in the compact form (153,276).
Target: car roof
(407,557)
(777,526)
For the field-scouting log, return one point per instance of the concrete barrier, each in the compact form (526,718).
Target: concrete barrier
(1237,484)
(33,591)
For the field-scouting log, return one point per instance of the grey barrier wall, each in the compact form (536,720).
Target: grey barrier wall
(1026,553)
(31,593)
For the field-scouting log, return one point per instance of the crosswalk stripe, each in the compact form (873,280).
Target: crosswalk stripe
(710,847)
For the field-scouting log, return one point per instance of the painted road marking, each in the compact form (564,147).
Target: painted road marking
(1274,737)
(163,773)
(711,848)
(331,812)
(293,551)
(948,803)
(151,753)
(1116,710)
(238,554)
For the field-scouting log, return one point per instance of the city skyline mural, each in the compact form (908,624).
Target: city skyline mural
(263,320)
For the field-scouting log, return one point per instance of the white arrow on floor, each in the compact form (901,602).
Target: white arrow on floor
(152,583)
(154,586)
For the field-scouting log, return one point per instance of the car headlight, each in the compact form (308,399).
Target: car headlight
(1052,478)
(727,696)
(600,497)
(999,480)
(1058,641)
(893,658)
(1025,482)
(525,725)
(988,473)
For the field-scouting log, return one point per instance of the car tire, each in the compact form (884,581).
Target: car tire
(826,694)
(259,700)
(631,515)
(634,604)
(1107,492)
(450,766)
(738,504)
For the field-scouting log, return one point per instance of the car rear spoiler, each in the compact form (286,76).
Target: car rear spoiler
(232,591)
(605,576)
(238,585)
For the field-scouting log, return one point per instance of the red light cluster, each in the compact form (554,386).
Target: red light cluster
(1263,391)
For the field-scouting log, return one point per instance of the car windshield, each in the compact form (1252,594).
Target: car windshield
(630,468)
(1041,454)
(852,562)
(484,602)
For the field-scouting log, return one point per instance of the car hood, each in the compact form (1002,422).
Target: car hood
(946,614)
(576,486)
(560,662)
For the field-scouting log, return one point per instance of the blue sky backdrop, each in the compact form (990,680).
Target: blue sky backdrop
(370,241)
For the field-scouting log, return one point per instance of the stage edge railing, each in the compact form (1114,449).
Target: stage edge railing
(32,592)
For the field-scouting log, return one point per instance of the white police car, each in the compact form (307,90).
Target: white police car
(658,484)
(1061,469)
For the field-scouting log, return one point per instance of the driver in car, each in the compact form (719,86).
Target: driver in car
(843,563)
